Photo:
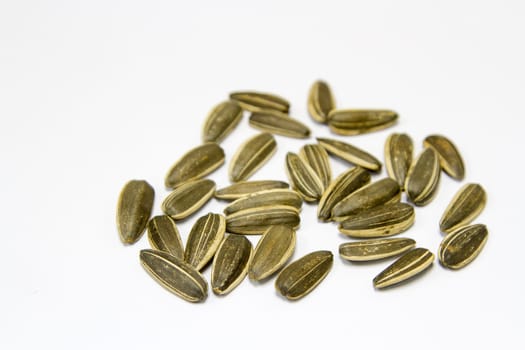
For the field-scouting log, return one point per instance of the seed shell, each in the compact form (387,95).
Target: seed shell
(320,101)
(350,154)
(466,205)
(134,209)
(408,265)
(275,124)
(375,249)
(251,156)
(265,198)
(188,198)
(303,178)
(359,121)
(255,101)
(449,157)
(256,220)
(462,246)
(204,239)
(317,157)
(175,275)
(221,121)
(244,188)
(230,264)
(303,275)
(164,235)
(398,157)
(423,178)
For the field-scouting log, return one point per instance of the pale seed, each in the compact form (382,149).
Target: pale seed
(275,124)
(244,188)
(350,153)
(449,157)
(164,235)
(423,178)
(251,156)
(255,221)
(466,205)
(204,239)
(398,157)
(356,121)
(462,246)
(375,249)
(255,101)
(265,198)
(320,101)
(188,198)
(303,178)
(221,121)
(407,266)
(317,157)
(134,209)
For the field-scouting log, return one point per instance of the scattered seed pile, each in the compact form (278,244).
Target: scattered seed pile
(364,210)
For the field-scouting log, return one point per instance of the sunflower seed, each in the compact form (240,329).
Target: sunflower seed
(320,101)
(350,154)
(342,186)
(164,235)
(462,246)
(408,265)
(275,247)
(252,155)
(204,239)
(385,191)
(466,205)
(221,121)
(175,275)
(423,178)
(195,164)
(244,188)
(255,101)
(449,157)
(188,198)
(303,178)
(356,121)
(230,264)
(265,198)
(275,124)
(375,249)
(134,209)
(317,158)
(398,157)
(303,275)
(386,220)
(255,221)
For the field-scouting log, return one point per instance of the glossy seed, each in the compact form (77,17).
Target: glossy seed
(375,249)
(255,221)
(398,157)
(320,101)
(384,191)
(188,198)
(341,187)
(317,157)
(230,264)
(357,121)
(279,125)
(408,265)
(164,235)
(255,101)
(350,154)
(195,164)
(466,205)
(449,157)
(134,209)
(303,275)
(175,275)
(221,121)
(462,246)
(386,220)
(251,156)
(303,178)
(244,188)
(274,249)
(265,198)
(423,178)
(204,239)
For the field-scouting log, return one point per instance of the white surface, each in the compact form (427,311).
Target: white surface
(95,93)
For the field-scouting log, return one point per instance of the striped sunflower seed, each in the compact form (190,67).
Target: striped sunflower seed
(244,188)
(276,124)
(303,275)
(398,157)
(320,101)
(375,249)
(230,264)
(265,198)
(195,164)
(341,187)
(221,121)
(255,101)
(134,209)
(188,198)
(386,220)
(449,157)
(164,235)
(462,246)
(251,156)
(275,247)
(408,265)
(466,205)
(359,121)
(316,157)
(350,154)
(256,220)
(175,275)
(423,178)
(303,178)
(204,239)
(384,191)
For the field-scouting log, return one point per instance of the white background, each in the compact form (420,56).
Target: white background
(95,93)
